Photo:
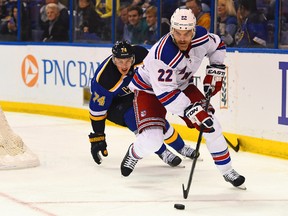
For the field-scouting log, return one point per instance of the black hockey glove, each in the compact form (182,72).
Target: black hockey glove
(98,144)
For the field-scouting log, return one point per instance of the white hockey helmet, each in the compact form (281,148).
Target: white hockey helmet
(183,19)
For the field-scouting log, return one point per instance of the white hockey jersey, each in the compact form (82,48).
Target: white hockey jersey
(166,71)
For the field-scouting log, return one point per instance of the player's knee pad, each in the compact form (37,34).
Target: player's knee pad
(149,141)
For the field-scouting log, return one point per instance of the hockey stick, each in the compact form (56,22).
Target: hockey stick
(186,191)
(235,148)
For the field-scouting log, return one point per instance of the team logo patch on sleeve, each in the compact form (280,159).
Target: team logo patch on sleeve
(143,113)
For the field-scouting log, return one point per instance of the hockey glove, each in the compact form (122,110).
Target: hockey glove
(98,144)
(214,78)
(199,117)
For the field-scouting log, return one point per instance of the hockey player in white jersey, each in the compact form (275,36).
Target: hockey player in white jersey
(164,82)
(112,100)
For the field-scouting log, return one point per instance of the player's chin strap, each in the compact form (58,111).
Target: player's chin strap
(186,191)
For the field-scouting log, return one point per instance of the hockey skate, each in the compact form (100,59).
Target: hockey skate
(169,158)
(128,163)
(235,179)
(189,152)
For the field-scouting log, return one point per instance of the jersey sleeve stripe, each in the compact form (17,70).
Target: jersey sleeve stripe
(167,53)
(167,97)
(101,71)
(139,82)
(199,41)
(98,118)
(159,48)
(221,46)
(175,61)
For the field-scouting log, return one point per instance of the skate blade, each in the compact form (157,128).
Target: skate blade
(242,187)
(200,159)
(179,166)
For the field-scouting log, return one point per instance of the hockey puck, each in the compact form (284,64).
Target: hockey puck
(179,206)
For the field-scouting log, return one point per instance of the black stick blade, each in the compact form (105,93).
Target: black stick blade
(235,148)
(185,192)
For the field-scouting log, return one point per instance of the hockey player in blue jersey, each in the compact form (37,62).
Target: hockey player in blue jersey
(164,83)
(111,99)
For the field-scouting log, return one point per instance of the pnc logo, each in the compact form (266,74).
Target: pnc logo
(30,71)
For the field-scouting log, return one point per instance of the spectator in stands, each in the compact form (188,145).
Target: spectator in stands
(64,16)
(206,5)
(89,22)
(203,19)
(3,9)
(152,32)
(122,22)
(137,3)
(252,30)
(104,10)
(226,21)
(12,23)
(271,10)
(65,2)
(137,26)
(167,6)
(54,28)
(9,23)
(284,23)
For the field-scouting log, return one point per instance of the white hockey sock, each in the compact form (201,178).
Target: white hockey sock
(218,148)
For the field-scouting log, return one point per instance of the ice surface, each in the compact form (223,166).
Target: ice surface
(69,183)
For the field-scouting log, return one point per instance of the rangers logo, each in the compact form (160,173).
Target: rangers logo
(143,113)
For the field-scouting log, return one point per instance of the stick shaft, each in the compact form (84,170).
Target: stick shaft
(186,191)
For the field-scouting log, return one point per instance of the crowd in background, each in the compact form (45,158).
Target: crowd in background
(240,23)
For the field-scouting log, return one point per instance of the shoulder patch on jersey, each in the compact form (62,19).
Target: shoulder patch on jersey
(168,52)
(201,37)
